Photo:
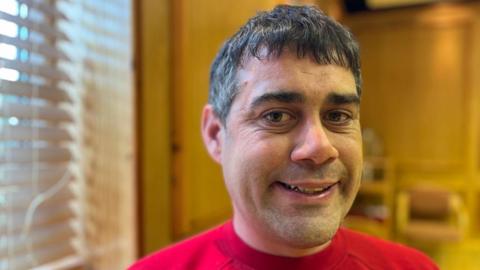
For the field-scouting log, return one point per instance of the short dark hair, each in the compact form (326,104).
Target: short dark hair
(301,29)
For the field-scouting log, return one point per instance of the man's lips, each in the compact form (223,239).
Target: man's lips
(308,188)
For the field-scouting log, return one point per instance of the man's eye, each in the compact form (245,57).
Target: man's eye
(277,117)
(337,117)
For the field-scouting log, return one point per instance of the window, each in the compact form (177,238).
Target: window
(66,134)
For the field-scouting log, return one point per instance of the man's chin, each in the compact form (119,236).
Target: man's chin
(304,233)
(310,240)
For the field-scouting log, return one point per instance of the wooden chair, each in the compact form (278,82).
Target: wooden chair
(430,214)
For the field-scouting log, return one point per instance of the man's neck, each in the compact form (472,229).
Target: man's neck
(255,237)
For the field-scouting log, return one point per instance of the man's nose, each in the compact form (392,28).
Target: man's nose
(314,146)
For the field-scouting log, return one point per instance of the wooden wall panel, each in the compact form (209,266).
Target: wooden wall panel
(417,86)
(417,118)
(475,101)
(153,107)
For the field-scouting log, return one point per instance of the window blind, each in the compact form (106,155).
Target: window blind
(108,142)
(66,135)
(38,142)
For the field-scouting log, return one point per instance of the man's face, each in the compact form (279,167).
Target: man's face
(291,150)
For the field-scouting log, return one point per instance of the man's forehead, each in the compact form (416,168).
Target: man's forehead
(265,54)
(286,61)
(292,79)
(286,96)
(326,86)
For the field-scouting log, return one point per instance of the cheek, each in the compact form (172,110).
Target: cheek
(352,152)
(247,175)
(350,145)
(250,163)
(262,147)
(273,153)
(260,159)
(351,155)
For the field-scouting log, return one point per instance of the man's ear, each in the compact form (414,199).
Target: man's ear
(212,132)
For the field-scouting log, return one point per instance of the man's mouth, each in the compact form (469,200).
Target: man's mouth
(310,191)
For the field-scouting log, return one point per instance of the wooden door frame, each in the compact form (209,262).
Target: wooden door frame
(152,66)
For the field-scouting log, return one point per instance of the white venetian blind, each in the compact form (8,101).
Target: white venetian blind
(38,137)
(103,53)
(66,135)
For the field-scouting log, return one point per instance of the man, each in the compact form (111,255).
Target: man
(283,121)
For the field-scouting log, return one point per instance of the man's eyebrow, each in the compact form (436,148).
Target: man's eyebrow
(282,96)
(340,99)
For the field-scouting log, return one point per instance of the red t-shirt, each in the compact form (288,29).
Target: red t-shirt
(221,248)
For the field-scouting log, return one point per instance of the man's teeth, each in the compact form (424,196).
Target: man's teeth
(305,190)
